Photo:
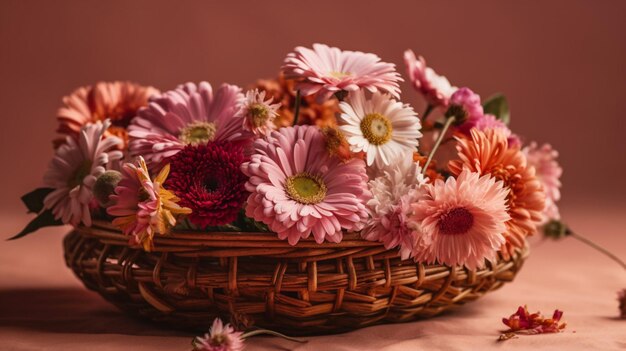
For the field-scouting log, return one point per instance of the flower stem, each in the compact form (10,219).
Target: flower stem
(273,333)
(429,109)
(599,248)
(447,125)
(296,112)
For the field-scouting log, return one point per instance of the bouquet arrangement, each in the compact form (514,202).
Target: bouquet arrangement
(326,148)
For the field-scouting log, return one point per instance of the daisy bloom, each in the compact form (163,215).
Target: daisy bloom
(116,101)
(297,188)
(488,152)
(325,71)
(393,192)
(142,206)
(381,127)
(436,89)
(258,113)
(219,338)
(461,221)
(74,169)
(283,91)
(549,173)
(189,115)
(208,179)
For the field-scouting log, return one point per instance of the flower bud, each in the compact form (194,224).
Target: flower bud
(105,186)
(556,229)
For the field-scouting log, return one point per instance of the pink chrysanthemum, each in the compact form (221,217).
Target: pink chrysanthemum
(465,106)
(393,193)
(258,113)
(189,115)
(208,179)
(549,173)
(326,70)
(74,169)
(297,188)
(461,221)
(219,338)
(143,206)
(436,89)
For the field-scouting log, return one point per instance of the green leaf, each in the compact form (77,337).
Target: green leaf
(44,219)
(497,105)
(34,199)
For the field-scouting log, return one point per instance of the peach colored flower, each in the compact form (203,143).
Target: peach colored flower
(488,152)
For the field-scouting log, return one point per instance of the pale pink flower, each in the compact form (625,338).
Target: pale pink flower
(142,206)
(297,188)
(189,115)
(380,126)
(549,173)
(74,169)
(326,70)
(258,113)
(461,221)
(219,338)
(436,89)
(393,192)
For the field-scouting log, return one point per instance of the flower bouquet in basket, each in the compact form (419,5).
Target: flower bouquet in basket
(315,202)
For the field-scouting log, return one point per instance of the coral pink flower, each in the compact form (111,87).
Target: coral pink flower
(219,338)
(189,115)
(142,206)
(208,179)
(393,193)
(258,113)
(523,322)
(116,101)
(461,221)
(436,89)
(549,173)
(297,188)
(74,169)
(328,70)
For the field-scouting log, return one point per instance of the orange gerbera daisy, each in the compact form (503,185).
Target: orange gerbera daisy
(117,101)
(311,113)
(487,152)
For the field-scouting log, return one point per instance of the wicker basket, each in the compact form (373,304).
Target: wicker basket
(257,279)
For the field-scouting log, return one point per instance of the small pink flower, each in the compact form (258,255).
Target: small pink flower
(465,106)
(549,173)
(298,189)
(523,322)
(219,338)
(326,70)
(258,113)
(435,88)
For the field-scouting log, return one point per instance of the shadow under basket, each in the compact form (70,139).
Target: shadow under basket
(255,279)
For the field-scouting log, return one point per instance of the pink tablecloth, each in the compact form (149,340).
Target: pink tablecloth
(43,307)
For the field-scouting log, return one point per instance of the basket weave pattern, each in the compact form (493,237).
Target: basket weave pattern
(257,279)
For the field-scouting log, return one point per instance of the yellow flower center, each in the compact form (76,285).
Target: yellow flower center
(83,170)
(198,133)
(339,74)
(306,188)
(376,128)
(259,113)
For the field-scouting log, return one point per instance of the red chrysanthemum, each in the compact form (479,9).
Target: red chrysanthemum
(208,180)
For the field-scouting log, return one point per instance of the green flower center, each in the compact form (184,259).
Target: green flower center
(260,113)
(79,174)
(306,188)
(376,128)
(198,133)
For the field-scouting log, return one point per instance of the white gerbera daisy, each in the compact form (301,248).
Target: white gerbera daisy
(381,127)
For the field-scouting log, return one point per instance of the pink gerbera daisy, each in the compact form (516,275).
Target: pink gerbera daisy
(219,338)
(74,169)
(297,188)
(326,70)
(142,206)
(189,115)
(436,89)
(549,173)
(259,113)
(208,179)
(461,221)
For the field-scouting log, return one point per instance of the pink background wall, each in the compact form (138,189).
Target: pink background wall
(561,63)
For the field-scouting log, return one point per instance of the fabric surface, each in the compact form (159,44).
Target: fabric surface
(44,307)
